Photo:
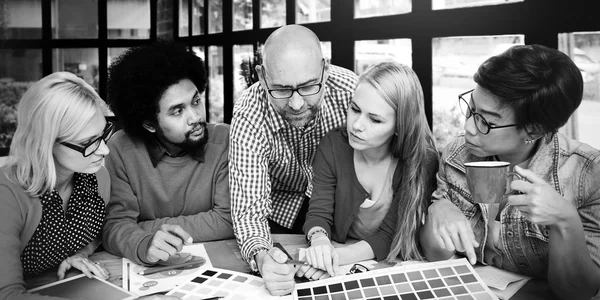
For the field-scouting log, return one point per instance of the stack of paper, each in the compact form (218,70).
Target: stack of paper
(501,282)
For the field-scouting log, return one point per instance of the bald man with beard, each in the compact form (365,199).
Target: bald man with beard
(276,128)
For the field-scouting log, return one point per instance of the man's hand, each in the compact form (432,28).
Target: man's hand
(167,241)
(278,276)
(451,229)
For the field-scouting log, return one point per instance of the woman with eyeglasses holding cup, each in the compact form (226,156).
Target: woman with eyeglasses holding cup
(54,187)
(550,227)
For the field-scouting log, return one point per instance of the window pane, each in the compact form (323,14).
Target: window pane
(128,19)
(82,62)
(215,16)
(243,69)
(372,8)
(242,15)
(198,17)
(199,51)
(455,60)
(113,53)
(368,53)
(19,69)
(310,11)
(326,48)
(446,4)
(22,19)
(272,13)
(215,84)
(584,50)
(75,19)
(184,25)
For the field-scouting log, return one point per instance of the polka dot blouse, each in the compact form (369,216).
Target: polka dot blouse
(60,234)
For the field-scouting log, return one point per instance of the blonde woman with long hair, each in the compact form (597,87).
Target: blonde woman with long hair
(54,188)
(373,179)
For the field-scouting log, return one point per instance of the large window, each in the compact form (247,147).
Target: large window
(38,37)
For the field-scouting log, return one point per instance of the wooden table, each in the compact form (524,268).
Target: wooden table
(226,255)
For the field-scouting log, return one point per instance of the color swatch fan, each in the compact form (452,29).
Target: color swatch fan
(451,279)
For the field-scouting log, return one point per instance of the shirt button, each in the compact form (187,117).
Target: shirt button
(546,232)
(522,266)
(509,234)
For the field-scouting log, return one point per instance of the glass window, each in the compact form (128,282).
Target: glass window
(184,24)
(22,19)
(128,19)
(215,79)
(242,15)
(113,53)
(82,62)
(584,50)
(19,69)
(199,51)
(244,74)
(311,11)
(326,48)
(75,19)
(215,16)
(368,53)
(272,13)
(373,8)
(198,17)
(447,4)
(455,60)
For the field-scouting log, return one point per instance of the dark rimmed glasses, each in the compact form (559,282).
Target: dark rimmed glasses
(306,90)
(481,123)
(357,268)
(91,147)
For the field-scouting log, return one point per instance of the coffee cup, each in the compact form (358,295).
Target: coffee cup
(488,180)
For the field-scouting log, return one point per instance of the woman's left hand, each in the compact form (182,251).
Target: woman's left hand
(82,263)
(540,203)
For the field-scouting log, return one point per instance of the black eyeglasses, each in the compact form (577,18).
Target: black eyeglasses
(481,123)
(91,147)
(307,90)
(357,268)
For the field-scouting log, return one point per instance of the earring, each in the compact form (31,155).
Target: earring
(528,142)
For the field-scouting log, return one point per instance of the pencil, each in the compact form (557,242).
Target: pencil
(152,270)
(296,262)
(212,298)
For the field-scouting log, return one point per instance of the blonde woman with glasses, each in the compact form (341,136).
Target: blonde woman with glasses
(54,188)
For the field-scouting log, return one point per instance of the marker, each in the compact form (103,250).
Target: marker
(188,264)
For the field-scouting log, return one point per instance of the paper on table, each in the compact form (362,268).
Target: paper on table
(503,283)
(345,269)
(162,281)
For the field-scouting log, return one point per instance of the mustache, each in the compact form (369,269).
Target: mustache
(196,127)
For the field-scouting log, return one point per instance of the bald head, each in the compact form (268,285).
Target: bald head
(290,45)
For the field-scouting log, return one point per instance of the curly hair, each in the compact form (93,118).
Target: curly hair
(543,86)
(139,77)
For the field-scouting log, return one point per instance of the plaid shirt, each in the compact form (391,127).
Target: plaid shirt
(270,161)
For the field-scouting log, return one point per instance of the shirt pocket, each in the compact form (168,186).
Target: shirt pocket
(537,237)
(459,199)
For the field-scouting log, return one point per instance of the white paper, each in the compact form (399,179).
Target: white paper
(503,283)
(163,281)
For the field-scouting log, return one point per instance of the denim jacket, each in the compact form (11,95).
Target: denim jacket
(571,167)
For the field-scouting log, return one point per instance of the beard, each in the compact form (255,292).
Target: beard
(189,145)
(295,119)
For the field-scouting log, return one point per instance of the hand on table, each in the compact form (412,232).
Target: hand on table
(539,203)
(81,262)
(322,255)
(312,273)
(451,229)
(278,276)
(167,241)
(158,297)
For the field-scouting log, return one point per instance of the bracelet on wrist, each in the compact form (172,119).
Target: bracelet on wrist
(312,233)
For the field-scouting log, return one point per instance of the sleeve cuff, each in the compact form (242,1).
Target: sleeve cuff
(142,249)
(379,245)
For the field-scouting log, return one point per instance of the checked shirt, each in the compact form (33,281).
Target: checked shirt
(270,161)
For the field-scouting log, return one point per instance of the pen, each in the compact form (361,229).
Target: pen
(296,262)
(212,298)
(152,270)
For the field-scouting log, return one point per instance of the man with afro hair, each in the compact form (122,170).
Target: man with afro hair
(169,172)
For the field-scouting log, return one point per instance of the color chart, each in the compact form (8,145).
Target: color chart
(216,282)
(451,279)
